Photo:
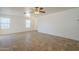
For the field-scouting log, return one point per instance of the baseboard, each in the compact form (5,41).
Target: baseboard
(59,36)
(18,32)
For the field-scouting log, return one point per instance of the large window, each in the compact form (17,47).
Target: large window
(28,23)
(4,23)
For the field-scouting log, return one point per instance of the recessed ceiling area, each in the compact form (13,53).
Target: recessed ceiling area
(19,11)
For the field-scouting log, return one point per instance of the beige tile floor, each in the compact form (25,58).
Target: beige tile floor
(35,41)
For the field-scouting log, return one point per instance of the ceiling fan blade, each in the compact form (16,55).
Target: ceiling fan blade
(43,11)
(41,8)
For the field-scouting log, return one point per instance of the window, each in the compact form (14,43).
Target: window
(28,23)
(4,23)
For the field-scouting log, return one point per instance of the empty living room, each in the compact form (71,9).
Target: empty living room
(39,28)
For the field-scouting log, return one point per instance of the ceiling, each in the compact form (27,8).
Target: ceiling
(19,11)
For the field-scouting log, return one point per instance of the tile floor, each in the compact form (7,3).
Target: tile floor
(35,41)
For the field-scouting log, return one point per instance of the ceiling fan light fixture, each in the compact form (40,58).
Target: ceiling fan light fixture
(36,12)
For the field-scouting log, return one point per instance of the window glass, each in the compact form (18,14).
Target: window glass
(28,23)
(4,23)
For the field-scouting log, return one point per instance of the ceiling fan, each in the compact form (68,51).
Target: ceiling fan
(36,10)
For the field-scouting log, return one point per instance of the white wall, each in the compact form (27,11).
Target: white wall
(64,24)
(17,24)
